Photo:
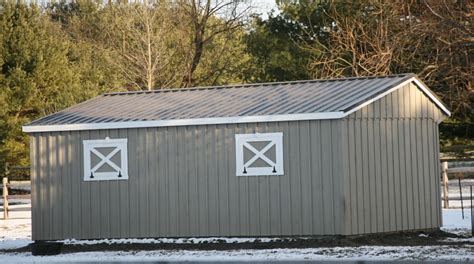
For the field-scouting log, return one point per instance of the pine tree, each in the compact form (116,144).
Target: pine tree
(41,71)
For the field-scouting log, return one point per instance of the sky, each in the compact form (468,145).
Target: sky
(261,7)
(264,6)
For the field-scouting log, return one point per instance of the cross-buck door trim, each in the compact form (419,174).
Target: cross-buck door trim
(119,173)
(243,141)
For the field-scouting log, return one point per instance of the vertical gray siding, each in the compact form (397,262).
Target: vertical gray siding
(182,183)
(391,150)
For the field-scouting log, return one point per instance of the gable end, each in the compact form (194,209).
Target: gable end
(409,100)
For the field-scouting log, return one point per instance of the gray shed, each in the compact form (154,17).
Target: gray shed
(321,157)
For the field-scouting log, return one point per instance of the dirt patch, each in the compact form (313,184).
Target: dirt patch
(421,238)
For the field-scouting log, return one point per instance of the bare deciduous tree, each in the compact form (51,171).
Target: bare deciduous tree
(143,36)
(440,46)
(207,20)
(358,45)
(430,38)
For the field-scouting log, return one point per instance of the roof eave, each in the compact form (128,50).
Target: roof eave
(184,122)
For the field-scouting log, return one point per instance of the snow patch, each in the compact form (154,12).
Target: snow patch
(453,222)
(459,240)
(336,253)
(192,240)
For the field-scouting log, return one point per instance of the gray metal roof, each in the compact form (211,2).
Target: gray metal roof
(264,99)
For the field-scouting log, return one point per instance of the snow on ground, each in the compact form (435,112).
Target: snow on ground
(16,233)
(336,253)
(195,240)
(454,223)
(19,185)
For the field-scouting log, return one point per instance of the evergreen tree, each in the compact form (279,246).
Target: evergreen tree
(41,72)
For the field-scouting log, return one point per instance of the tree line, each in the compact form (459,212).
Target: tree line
(56,54)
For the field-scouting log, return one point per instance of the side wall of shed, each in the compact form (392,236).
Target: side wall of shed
(182,182)
(392,154)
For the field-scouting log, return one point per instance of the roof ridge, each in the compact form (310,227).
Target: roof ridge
(228,86)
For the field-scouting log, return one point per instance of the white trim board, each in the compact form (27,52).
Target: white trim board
(233,120)
(185,122)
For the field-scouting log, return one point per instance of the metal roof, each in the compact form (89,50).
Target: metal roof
(297,100)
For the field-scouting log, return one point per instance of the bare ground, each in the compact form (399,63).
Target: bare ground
(419,238)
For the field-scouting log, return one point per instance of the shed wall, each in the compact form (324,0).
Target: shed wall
(391,154)
(182,182)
